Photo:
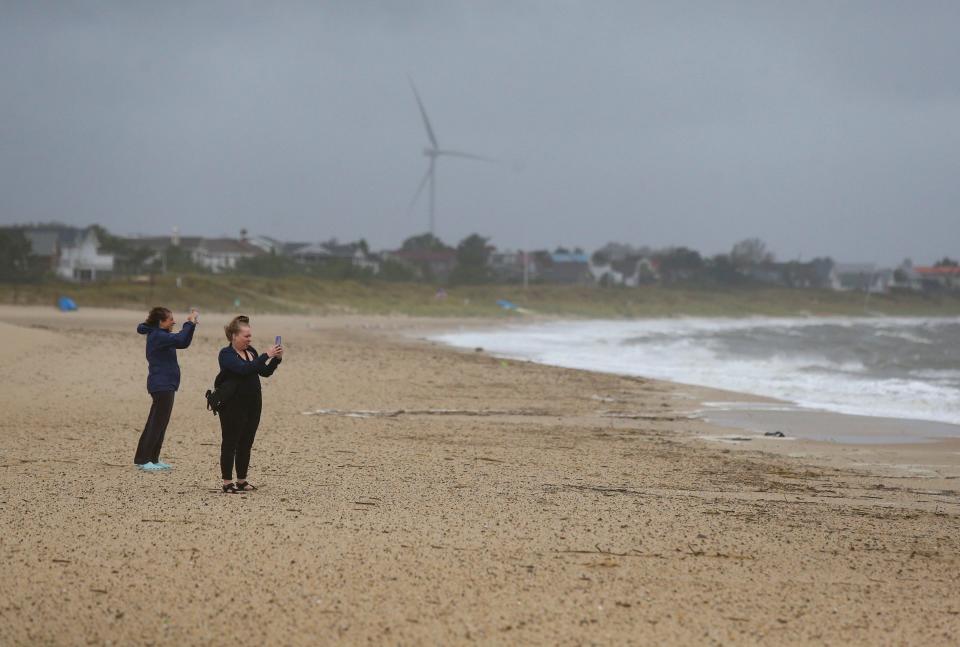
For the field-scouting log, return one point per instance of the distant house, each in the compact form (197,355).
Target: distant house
(219,254)
(769,273)
(332,252)
(71,252)
(509,266)
(938,278)
(647,270)
(429,264)
(904,278)
(314,253)
(627,271)
(605,274)
(883,280)
(159,244)
(565,267)
(44,247)
(289,249)
(214,254)
(863,277)
(818,273)
(80,258)
(267,244)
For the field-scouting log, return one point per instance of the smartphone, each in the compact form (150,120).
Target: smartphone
(277,341)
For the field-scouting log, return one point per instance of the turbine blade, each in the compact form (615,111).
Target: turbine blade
(423,113)
(416,196)
(469,156)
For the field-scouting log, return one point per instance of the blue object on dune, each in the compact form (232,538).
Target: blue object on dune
(506,305)
(66,304)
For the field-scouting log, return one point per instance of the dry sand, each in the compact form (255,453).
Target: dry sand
(581,508)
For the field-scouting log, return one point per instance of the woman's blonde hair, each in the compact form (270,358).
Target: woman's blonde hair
(238,322)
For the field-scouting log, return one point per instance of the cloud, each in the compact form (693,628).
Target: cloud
(823,128)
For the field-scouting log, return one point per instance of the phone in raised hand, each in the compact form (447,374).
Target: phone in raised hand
(276,342)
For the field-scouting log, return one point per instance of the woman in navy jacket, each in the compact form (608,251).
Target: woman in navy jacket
(240,414)
(163,380)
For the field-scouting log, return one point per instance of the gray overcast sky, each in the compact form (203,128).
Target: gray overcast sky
(826,128)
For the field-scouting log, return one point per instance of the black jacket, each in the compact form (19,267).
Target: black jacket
(244,375)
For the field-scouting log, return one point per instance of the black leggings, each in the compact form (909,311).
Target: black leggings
(239,419)
(151,440)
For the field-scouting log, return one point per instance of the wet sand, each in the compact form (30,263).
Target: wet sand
(441,497)
(880,446)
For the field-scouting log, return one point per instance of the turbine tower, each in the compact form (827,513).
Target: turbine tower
(432,153)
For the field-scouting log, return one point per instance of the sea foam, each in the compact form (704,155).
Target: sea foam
(888,367)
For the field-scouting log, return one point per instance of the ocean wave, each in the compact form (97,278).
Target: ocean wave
(906,336)
(837,365)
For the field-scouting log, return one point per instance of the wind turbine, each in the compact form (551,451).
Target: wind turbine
(432,153)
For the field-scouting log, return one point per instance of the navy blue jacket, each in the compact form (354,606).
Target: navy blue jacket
(247,373)
(164,373)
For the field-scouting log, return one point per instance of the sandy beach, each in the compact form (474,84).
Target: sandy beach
(413,494)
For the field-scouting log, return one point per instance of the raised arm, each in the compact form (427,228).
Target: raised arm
(269,366)
(181,339)
(230,361)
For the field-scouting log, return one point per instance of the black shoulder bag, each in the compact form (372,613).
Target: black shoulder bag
(223,389)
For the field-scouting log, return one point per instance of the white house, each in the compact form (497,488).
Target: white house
(71,253)
(267,244)
(864,277)
(219,254)
(215,254)
(79,259)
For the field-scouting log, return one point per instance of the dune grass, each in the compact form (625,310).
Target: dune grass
(221,293)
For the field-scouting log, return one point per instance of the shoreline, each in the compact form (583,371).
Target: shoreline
(752,411)
(933,457)
(819,429)
(438,496)
(936,460)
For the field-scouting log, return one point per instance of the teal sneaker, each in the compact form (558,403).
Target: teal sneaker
(150,467)
(164,466)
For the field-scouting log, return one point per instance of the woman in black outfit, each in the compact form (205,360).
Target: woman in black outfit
(240,414)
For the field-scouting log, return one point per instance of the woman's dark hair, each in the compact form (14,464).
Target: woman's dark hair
(157,315)
(238,322)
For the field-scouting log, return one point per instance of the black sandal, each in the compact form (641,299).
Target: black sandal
(245,487)
(230,488)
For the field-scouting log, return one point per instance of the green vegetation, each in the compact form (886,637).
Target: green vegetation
(472,267)
(300,294)
(15,263)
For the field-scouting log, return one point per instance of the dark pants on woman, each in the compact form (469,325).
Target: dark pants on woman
(239,419)
(151,440)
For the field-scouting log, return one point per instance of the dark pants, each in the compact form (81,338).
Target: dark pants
(239,419)
(151,440)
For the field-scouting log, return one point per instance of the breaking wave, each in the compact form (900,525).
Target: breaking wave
(889,367)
